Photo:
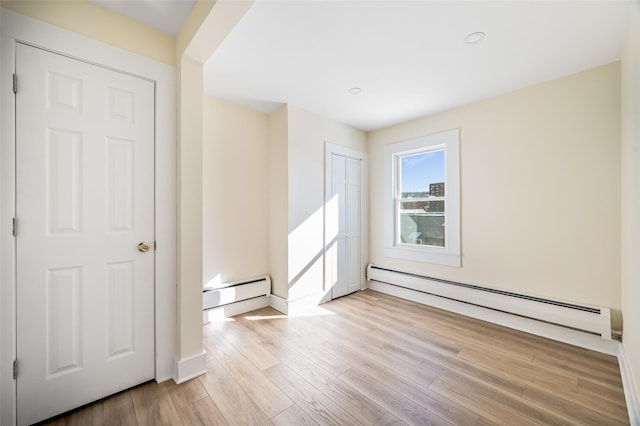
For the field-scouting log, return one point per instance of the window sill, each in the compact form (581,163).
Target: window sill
(423,254)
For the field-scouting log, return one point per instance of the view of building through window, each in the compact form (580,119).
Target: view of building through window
(421,203)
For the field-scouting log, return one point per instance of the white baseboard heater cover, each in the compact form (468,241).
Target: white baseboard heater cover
(235,297)
(591,319)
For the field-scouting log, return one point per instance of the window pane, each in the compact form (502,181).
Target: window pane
(422,223)
(422,175)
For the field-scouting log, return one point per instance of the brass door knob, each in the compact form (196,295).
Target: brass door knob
(144,247)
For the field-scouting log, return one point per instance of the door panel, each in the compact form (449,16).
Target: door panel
(353,224)
(84,200)
(353,264)
(345,184)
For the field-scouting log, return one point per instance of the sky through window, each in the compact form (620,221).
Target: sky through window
(419,170)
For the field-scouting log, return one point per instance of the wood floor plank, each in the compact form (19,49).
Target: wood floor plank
(443,407)
(424,372)
(526,371)
(232,401)
(264,328)
(315,403)
(420,359)
(293,416)
(401,407)
(116,410)
(328,360)
(390,420)
(366,310)
(418,393)
(363,409)
(599,372)
(247,343)
(583,358)
(261,390)
(185,393)
(616,410)
(435,330)
(202,412)
(399,333)
(479,336)
(494,404)
(613,394)
(154,406)
(373,359)
(311,326)
(480,331)
(609,415)
(483,421)
(145,392)
(373,347)
(78,418)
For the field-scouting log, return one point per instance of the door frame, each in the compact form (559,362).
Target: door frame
(330,149)
(19,28)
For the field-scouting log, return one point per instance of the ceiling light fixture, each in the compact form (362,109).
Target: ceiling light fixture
(474,38)
(355,90)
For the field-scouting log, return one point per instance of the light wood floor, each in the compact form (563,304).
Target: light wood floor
(371,359)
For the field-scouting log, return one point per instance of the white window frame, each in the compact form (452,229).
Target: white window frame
(449,141)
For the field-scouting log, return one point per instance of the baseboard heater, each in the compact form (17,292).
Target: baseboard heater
(234,298)
(591,319)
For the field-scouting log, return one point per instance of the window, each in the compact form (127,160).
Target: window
(419,195)
(422,220)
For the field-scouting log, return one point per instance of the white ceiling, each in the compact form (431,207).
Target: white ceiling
(408,57)
(163,15)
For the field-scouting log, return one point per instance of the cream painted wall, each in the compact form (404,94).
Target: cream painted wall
(540,189)
(631,201)
(278,200)
(191,25)
(235,189)
(190,129)
(206,26)
(86,18)
(308,133)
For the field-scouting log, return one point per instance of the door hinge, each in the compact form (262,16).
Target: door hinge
(155,245)
(15,83)
(15,369)
(15,227)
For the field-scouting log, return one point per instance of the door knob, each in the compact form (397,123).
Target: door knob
(144,247)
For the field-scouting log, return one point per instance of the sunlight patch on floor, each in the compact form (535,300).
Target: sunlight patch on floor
(311,312)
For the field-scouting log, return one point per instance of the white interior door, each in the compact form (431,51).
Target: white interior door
(84,202)
(344,254)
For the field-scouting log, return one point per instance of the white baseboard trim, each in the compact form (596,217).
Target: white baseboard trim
(190,368)
(307,305)
(539,328)
(235,308)
(631,389)
(587,318)
(279,304)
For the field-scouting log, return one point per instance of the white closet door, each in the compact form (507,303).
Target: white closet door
(343,254)
(84,203)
